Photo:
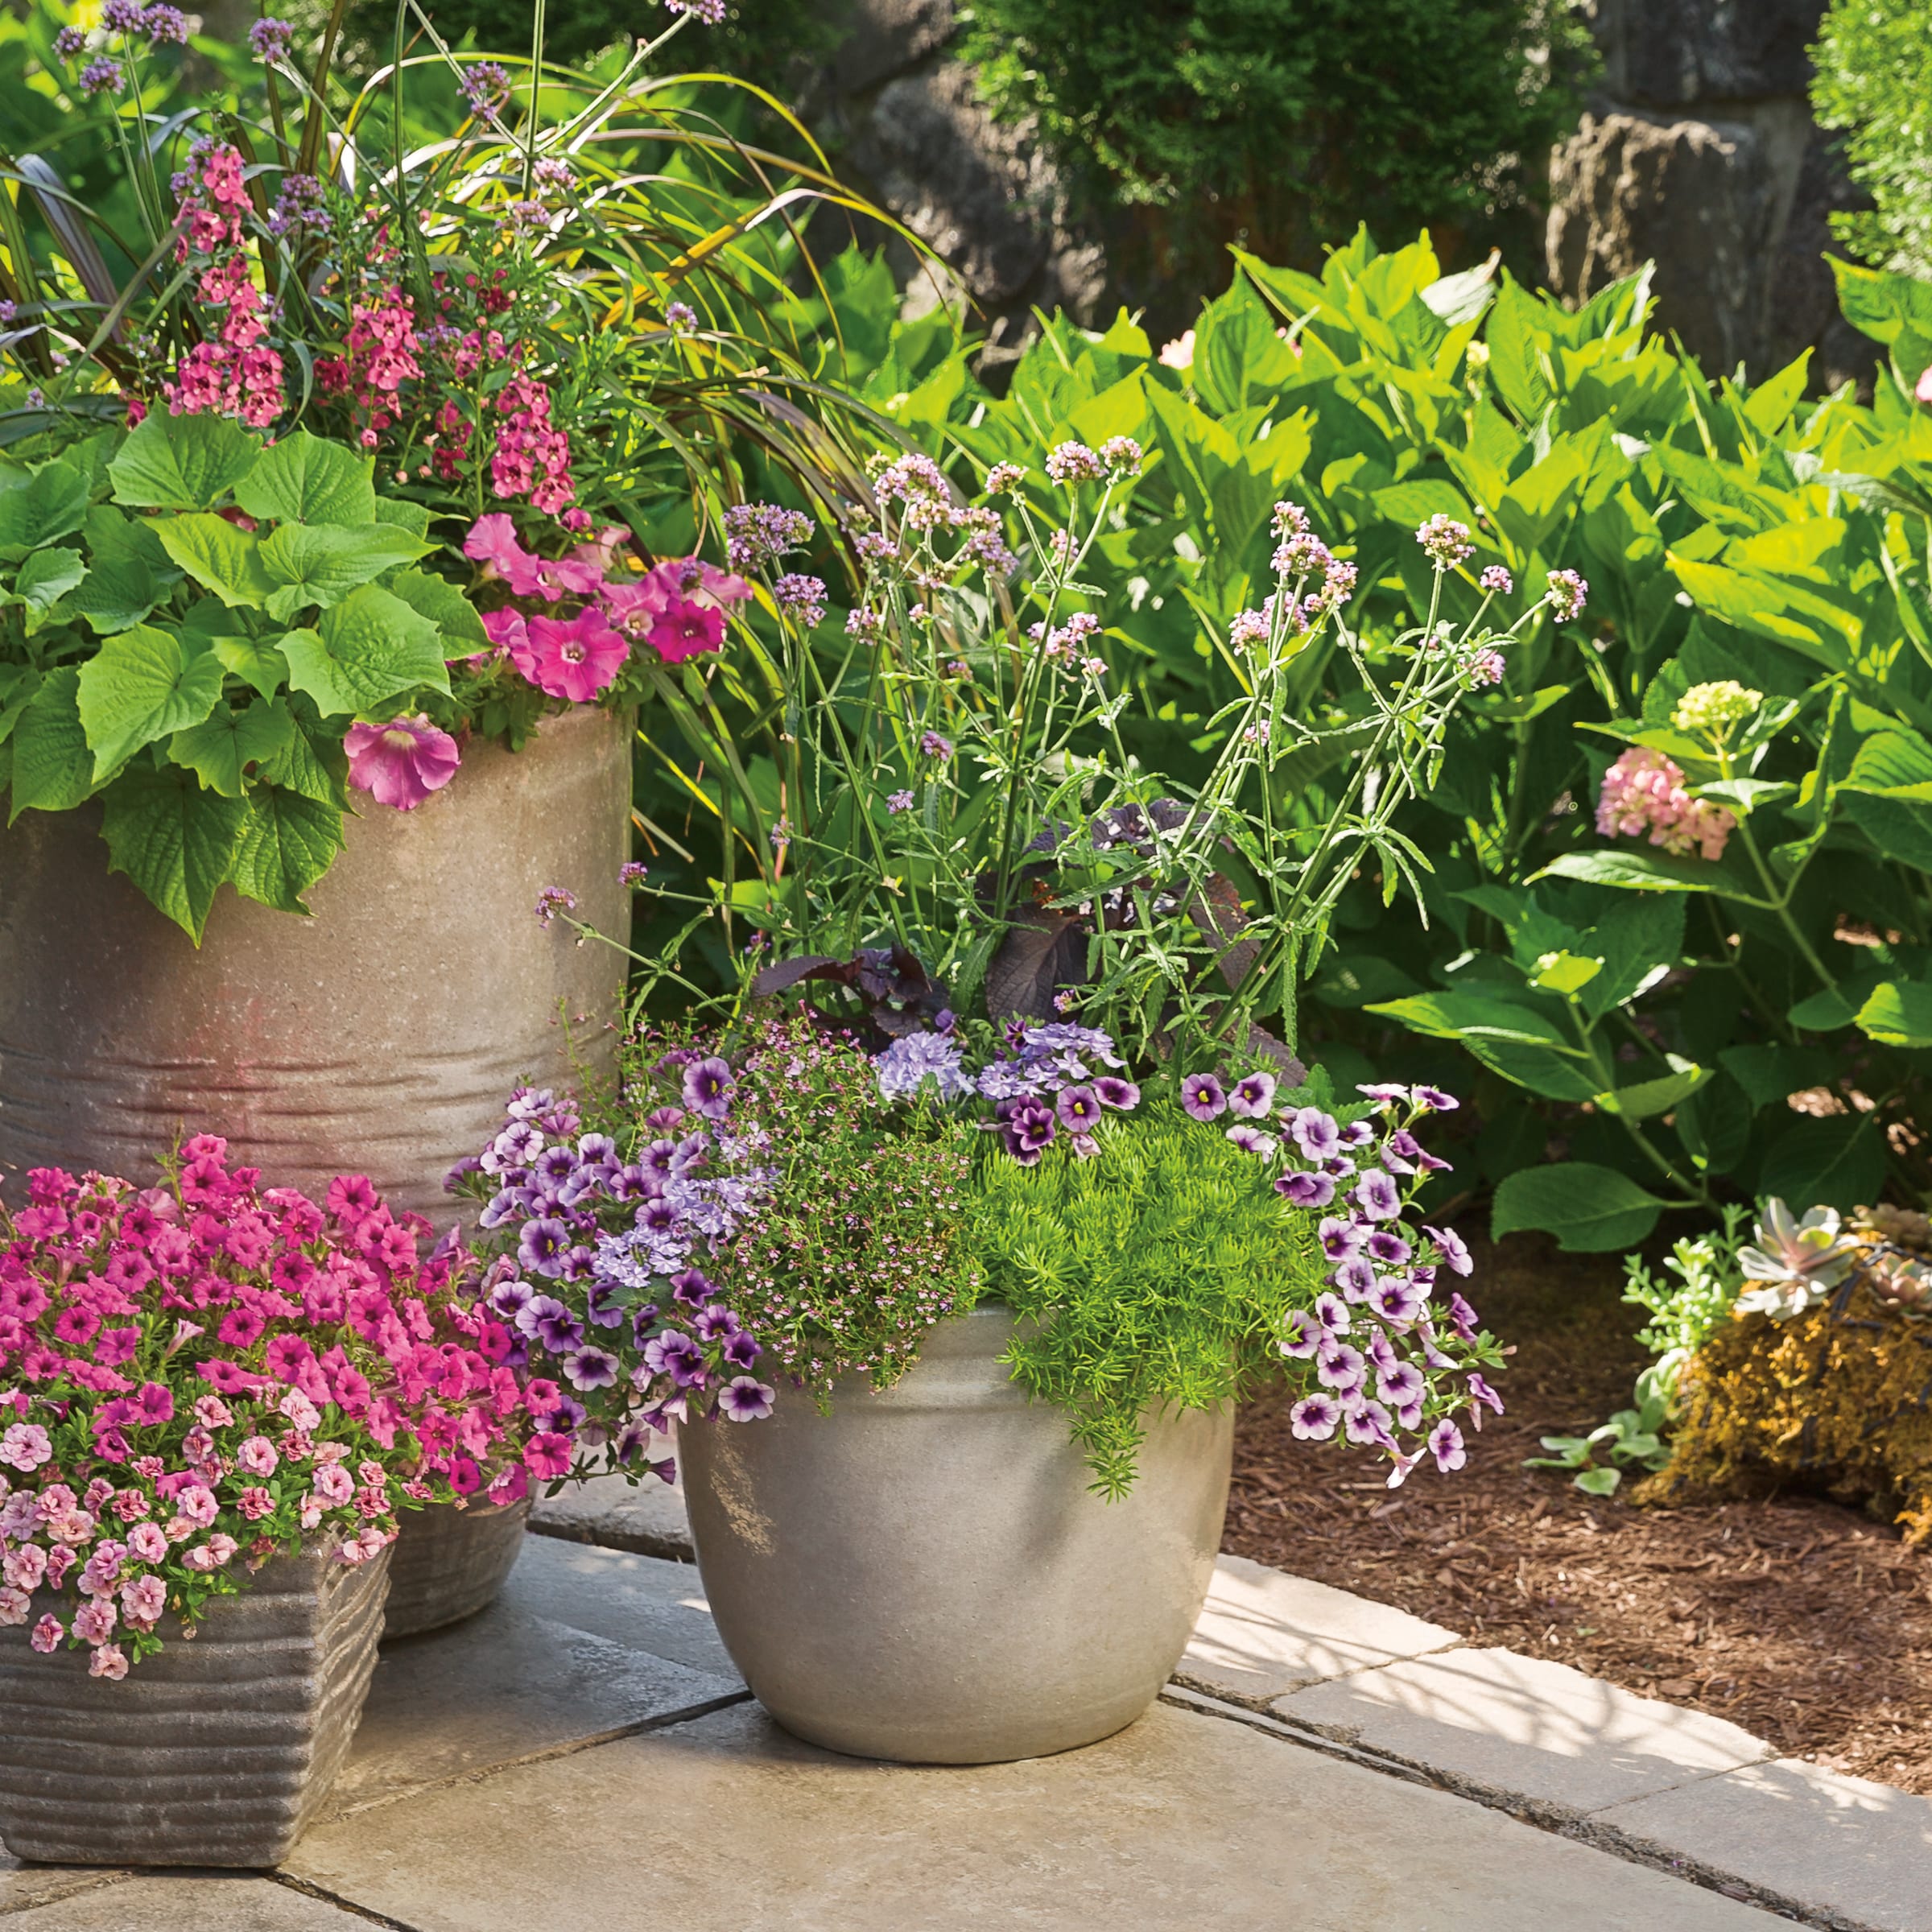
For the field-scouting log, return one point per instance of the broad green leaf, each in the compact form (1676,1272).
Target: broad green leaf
(128,570)
(1901,828)
(1898,763)
(1356,978)
(1455,1016)
(301,479)
(313,762)
(1640,938)
(1644,1099)
(1590,1210)
(1542,1070)
(53,769)
(288,841)
(369,649)
(1899,1013)
(1714,1125)
(219,751)
(174,839)
(182,462)
(39,505)
(45,578)
(321,563)
(1771,1075)
(1837,1005)
(142,685)
(1635,871)
(1838,1161)
(219,557)
(1564,972)
(445,606)
(405,515)
(257,661)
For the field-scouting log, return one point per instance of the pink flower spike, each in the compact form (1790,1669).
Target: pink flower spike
(493,540)
(401,763)
(574,659)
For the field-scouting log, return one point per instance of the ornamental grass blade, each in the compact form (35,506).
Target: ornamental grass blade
(77,243)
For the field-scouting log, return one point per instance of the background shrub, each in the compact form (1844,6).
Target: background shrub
(1874,80)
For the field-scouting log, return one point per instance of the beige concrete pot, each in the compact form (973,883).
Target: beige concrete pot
(924,1576)
(380,1037)
(217,1752)
(447,1563)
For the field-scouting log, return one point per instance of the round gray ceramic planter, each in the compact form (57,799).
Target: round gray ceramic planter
(380,1037)
(447,1563)
(217,1752)
(923,1575)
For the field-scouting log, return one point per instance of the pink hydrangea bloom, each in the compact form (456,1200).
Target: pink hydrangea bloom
(402,762)
(1643,792)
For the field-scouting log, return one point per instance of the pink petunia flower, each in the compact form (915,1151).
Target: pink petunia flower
(574,659)
(401,763)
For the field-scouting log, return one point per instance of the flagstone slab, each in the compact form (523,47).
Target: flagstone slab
(177,1902)
(1842,1850)
(1534,1735)
(582,1644)
(24,1886)
(1264,1633)
(1181,1821)
(648,1517)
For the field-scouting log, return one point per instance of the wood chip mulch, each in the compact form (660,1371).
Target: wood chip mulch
(1805,1622)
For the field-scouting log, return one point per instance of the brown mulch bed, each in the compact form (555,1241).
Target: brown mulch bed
(1804,1621)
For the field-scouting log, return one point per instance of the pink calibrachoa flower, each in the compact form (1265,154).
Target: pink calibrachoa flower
(1924,390)
(575,658)
(402,762)
(1644,792)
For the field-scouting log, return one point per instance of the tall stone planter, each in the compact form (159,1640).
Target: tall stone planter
(924,1576)
(379,1037)
(217,1752)
(448,1563)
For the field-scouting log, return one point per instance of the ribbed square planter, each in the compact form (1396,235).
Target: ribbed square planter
(214,1752)
(447,1563)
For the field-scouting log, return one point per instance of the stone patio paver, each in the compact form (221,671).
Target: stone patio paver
(1264,1633)
(24,1886)
(1842,1850)
(582,1644)
(1181,1821)
(180,1902)
(647,1518)
(1534,1735)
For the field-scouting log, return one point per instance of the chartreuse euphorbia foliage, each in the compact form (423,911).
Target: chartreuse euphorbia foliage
(189,626)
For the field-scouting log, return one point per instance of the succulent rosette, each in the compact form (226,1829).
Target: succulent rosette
(197,1377)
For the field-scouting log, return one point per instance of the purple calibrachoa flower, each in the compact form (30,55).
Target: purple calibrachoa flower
(592,1368)
(1079,1109)
(542,1246)
(708,1088)
(1377,1196)
(1253,1095)
(746,1399)
(1445,1446)
(1314,1418)
(1203,1097)
(1252,1140)
(1356,1278)
(1028,1129)
(1314,1132)
(1384,1245)
(1395,1298)
(1302,1190)
(1300,1334)
(1449,1245)
(1122,1095)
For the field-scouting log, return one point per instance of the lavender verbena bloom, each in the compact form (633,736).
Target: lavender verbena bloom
(552,900)
(1450,1245)
(936,744)
(1122,1095)
(589,1369)
(122,16)
(1252,1140)
(1253,1097)
(1009,1080)
(708,1088)
(1567,593)
(898,801)
(1445,541)
(1314,1418)
(1302,1190)
(484,85)
(67,43)
(680,317)
(746,1399)
(101,77)
(165,27)
(542,1246)
(801,597)
(269,39)
(711,12)
(1314,1132)
(905,1067)
(1063,1036)
(1376,1195)
(1202,1097)
(1445,1446)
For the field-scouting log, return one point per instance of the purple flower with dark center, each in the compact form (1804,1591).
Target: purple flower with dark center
(505,1206)
(1449,1245)
(658,1219)
(746,1399)
(601,1306)
(717,1323)
(592,1368)
(1436,1100)
(708,1088)
(542,1246)
(1394,1298)
(692,1153)
(665,1119)
(1253,1095)
(1314,1132)
(1357,1133)
(1423,1275)
(642,1322)
(693,1289)
(1463,1318)
(1300,1334)
(1313,1420)
(1122,1095)
(1402,1387)
(1369,1423)
(1028,1130)
(1482,1393)
(1202,1097)
(1340,1240)
(741,1350)
(1338,1367)
(657,1158)
(1356,1278)
(1341,1167)
(1079,1109)
(1332,1315)
(520,1142)
(1387,1247)
(1445,1446)
(554,1167)
(552,1324)
(1251,1140)
(510,1298)
(1376,1195)
(580,1264)
(1399,1152)
(1302,1190)
(674,1353)
(1384,1090)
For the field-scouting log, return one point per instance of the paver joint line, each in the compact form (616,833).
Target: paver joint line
(98,1882)
(665,1548)
(289,1882)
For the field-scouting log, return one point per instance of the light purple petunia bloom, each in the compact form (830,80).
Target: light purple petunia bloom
(717,1323)
(1395,1299)
(1314,1418)
(1357,1133)
(1463,1318)
(1314,1132)
(1436,1100)
(1079,1109)
(1456,1255)
(1369,1423)
(1445,1446)
(1122,1095)
(1402,1387)
(542,1246)
(1482,1392)
(1252,1140)
(1386,1246)
(1202,1097)
(745,1399)
(1338,1366)
(551,1324)
(1300,1334)
(741,1350)
(1301,1190)
(1333,1315)
(591,1368)
(1384,1090)
(1340,1240)
(1375,1193)
(1253,1097)
(1356,1278)
(509,1298)
(708,1088)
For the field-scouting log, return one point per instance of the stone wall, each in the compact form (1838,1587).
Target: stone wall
(1699,153)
